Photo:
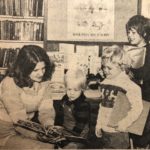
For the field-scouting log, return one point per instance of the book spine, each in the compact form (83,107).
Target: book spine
(5,58)
(40,7)
(1,57)
(0,29)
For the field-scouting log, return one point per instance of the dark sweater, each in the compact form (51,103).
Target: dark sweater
(79,113)
(143,73)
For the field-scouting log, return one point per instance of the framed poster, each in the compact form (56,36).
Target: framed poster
(145,8)
(89,20)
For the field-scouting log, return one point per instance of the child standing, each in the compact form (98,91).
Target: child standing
(116,82)
(73,109)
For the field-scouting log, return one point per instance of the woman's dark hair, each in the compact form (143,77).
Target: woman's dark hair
(25,63)
(141,24)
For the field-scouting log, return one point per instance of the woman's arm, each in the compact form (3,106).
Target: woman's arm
(10,96)
(46,107)
(47,112)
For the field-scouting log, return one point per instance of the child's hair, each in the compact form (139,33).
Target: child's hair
(75,76)
(116,55)
(141,24)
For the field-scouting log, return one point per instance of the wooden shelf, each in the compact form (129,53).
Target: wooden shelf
(21,18)
(22,28)
(19,44)
(17,41)
(3,70)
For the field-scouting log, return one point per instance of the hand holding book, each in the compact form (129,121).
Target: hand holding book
(50,134)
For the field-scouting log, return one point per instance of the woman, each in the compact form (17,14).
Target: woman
(25,96)
(138,33)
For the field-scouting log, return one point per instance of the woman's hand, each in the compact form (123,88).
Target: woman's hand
(26,133)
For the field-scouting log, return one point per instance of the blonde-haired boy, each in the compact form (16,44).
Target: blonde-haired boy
(117,82)
(73,109)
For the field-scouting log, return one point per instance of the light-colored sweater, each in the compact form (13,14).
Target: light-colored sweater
(22,103)
(133,93)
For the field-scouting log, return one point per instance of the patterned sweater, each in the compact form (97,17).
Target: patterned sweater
(109,90)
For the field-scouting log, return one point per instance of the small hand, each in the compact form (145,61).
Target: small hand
(53,128)
(58,128)
(47,128)
(121,127)
(98,132)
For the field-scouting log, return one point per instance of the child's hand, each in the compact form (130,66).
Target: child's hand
(122,127)
(57,129)
(98,132)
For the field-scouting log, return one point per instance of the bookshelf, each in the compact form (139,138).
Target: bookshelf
(21,23)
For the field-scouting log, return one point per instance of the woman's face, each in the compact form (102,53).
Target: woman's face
(38,72)
(134,38)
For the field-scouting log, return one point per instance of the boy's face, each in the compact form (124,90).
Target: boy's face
(134,38)
(111,70)
(73,91)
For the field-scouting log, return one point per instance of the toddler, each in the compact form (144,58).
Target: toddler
(73,109)
(117,83)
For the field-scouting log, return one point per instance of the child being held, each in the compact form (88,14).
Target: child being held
(72,112)
(114,63)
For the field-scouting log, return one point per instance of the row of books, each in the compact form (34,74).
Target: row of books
(21,30)
(22,7)
(8,56)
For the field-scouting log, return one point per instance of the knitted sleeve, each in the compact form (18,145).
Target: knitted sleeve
(47,112)
(10,96)
(46,109)
(135,99)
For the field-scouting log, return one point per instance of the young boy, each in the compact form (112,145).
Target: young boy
(72,112)
(116,83)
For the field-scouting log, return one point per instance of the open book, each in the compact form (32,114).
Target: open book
(53,135)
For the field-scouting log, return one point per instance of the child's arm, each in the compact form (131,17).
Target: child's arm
(98,124)
(93,94)
(135,99)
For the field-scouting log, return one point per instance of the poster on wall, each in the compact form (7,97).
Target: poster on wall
(90,19)
(145,8)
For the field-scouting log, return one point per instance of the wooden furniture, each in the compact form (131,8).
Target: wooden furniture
(21,23)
